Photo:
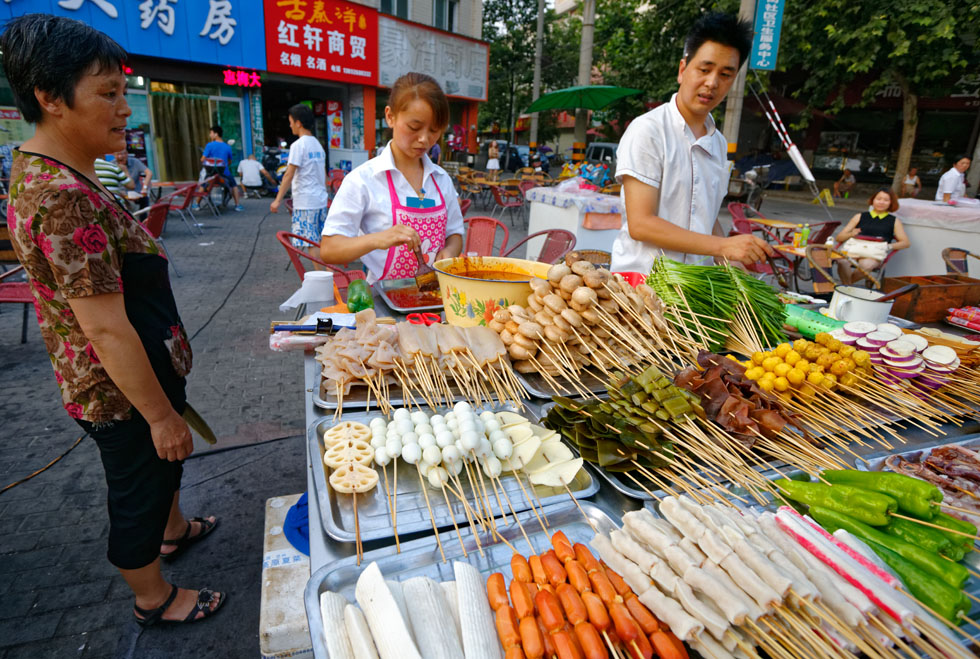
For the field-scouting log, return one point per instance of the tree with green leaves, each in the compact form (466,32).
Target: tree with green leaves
(917,45)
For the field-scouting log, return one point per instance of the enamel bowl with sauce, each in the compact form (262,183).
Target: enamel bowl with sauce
(473,287)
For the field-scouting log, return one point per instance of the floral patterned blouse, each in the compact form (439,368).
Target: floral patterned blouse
(74,241)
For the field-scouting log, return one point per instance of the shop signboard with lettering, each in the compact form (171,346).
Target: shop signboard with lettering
(459,65)
(765,44)
(325,39)
(221,32)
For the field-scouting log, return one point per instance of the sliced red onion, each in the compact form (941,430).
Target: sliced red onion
(910,364)
(920,342)
(879,338)
(903,373)
(888,328)
(858,328)
(932,381)
(896,357)
(901,347)
(864,344)
(939,368)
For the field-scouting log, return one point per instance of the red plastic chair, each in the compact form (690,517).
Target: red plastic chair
(481,234)
(180,201)
(341,278)
(557,244)
(505,202)
(742,215)
(17,292)
(464,205)
(155,222)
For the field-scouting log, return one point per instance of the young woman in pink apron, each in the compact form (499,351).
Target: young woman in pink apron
(399,200)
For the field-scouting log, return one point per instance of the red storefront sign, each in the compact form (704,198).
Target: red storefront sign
(327,39)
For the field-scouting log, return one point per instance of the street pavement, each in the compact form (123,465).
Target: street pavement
(59,597)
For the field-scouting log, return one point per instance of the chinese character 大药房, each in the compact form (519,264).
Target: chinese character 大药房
(296,11)
(357,45)
(348,16)
(159,10)
(312,37)
(104,5)
(219,18)
(319,14)
(287,34)
(335,42)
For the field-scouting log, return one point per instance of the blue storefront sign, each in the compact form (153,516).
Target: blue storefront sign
(221,32)
(765,44)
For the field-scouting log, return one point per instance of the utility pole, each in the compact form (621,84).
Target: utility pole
(536,85)
(585,66)
(733,108)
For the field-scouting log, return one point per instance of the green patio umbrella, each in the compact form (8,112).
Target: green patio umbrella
(591,97)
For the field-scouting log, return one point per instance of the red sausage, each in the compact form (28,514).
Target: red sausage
(507,627)
(640,648)
(563,547)
(497,591)
(618,583)
(565,646)
(537,570)
(586,558)
(549,610)
(552,567)
(602,587)
(574,608)
(590,641)
(522,598)
(646,620)
(577,576)
(549,647)
(626,627)
(520,569)
(598,615)
(531,638)
(515,652)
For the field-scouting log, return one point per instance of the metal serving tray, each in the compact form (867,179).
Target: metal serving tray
(878,463)
(421,557)
(385,285)
(360,396)
(374,520)
(539,387)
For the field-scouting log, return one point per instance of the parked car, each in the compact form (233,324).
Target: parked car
(512,165)
(602,152)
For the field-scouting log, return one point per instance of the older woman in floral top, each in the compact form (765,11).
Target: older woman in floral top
(104,304)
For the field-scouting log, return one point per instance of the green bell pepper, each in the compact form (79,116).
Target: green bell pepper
(952,573)
(869,507)
(359,296)
(918,535)
(914,496)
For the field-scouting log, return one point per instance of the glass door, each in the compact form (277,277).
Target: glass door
(227,113)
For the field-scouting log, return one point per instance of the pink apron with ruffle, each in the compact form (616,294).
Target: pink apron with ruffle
(429,223)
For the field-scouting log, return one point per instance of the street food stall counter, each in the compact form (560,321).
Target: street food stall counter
(594,218)
(931,227)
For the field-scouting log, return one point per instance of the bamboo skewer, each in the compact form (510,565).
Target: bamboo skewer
(357,532)
(432,518)
(391,511)
(936,526)
(452,516)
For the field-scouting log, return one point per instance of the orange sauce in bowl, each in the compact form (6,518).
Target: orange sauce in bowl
(476,268)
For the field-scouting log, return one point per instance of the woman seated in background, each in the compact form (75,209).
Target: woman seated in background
(878,222)
(911,185)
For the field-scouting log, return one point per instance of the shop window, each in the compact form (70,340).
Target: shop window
(206,90)
(165,87)
(444,14)
(181,126)
(397,8)
(135,82)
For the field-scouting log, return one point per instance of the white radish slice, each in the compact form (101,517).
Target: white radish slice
(888,328)
(920,342)
(879,338)
(524,451)
(843,337)
(896,357)
(557,474)
(388,628)
(510,419)
(518,434)
(359,634)
(859,328)
(939,354)
(901,347)
(429,606)
(334,629)
(475,617)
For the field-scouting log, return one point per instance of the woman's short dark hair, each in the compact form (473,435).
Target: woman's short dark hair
(303,114)
(52,53)
(893,205)
(722,28)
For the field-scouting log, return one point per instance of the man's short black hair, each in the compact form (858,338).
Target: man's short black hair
(217,130)
(52,53)
(722,28)
(303,114)
(961,156)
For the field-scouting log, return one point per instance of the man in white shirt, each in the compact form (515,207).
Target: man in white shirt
(953,183)
(672,161)
(306,175)
(251,172)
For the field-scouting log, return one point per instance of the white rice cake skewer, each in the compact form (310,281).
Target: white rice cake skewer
(361,641)
(475,617)
(334,630)
(390,631)
(428,613)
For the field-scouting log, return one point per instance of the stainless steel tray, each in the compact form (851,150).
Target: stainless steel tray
(421,558)
(360,397)
(878,463)
(539,387)
(383,286)
(374,519)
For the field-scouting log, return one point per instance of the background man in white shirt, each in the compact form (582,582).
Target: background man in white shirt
(306,176)
(251,171)
(953,183)
(672,161)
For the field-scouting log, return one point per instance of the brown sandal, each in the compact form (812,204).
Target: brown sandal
(205,597)
(187,539)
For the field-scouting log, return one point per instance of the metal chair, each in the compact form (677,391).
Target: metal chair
(17,292)
(481,234)
(956,260)
(341,278)
(505,202)
(155,222)
(557,244)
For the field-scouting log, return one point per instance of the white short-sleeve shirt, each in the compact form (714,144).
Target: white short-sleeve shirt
(310,179)
(660,150)
(362,205)
(952,183)
(251,173)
